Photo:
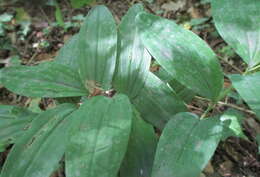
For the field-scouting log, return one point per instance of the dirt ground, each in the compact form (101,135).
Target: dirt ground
(235,157)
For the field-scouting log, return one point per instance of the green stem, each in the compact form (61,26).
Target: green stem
(251,69)
(210,107)
(224,93)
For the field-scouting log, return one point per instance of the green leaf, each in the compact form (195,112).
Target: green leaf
(13,122)
(133,59)
(139,158)
(48,79)
(234,128)
(99,139)
(248,87)
(181,91)
(5,17)
(157,102)
(80,3)
(2,30)
(58,15)
(98,48)
(182,54)
(238,23)
(69,53)
(258,142)
(21,15)
(38,152)
(186,145)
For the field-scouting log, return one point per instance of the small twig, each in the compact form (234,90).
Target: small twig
(201,98)
(194,107)
(236,107)
(210,107)
(228,105)
(148,7)
(234,67)
(32,58)
(45,15)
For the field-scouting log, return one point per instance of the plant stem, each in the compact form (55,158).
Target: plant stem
(45,16)
(252,69)
(228,105)
(224,93)
(210,107)
(233,66)
(236,107)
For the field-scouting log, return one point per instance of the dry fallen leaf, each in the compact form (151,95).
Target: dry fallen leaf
(173,6)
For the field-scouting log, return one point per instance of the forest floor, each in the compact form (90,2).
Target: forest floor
(34,35)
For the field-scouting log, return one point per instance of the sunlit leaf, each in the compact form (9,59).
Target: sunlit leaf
(234,128)
(157,102)
(142,144)
(98,49)
(133,59)
(238,23)
(182,54)
(248,87)
(69,53)
(48,79)
(14,121)
(181,91)
(186,145)
(99,138)
(39,150)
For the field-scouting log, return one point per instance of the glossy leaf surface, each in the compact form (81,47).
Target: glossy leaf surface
(48,79)
(248,87)
(99,139)
(98,48)
(186,145)
(182,54)
(13,122)
(157,102)
(139,158)
(39,150)
(133,59)
(238,23)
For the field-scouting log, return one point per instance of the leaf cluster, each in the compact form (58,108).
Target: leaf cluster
(110,135)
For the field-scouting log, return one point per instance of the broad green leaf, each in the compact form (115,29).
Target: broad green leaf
(238,23)
(157,102)
(5,17)
(133,59)
(99,139)
(182,54)
(39,150)
(139,158)
(2,147)
(186,145)
(234,128)
(248,87)
(98,49)
(80,3)
(69,53)
(48,79)
(258,142)
(181,91)
(13,122)
(58,15)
